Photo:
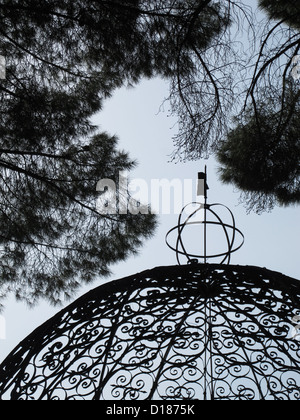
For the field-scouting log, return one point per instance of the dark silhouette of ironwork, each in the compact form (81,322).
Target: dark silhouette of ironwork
(230,230)
(194,331)
(149,336)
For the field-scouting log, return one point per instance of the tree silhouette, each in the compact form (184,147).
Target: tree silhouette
(287,11)
(108,43)
(52,237)
(249,56)
(261,154)
(63,59)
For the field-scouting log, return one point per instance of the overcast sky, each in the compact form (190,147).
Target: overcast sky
(272,240)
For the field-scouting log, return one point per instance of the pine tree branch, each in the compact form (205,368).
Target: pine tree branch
(270,61)
(43,60)
(50,183)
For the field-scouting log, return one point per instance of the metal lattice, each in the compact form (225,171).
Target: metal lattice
(189,332)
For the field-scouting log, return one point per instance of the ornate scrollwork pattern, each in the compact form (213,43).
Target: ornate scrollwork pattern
(172,333)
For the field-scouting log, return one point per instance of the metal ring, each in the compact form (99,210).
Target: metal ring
(180,248)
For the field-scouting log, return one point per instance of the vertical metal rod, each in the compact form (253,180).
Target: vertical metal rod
(208,310)
(207,356)
(205,217)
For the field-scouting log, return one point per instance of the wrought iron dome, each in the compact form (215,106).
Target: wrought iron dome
(189,332)
(194,332)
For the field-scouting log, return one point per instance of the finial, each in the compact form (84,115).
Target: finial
(202,183)
(209,218)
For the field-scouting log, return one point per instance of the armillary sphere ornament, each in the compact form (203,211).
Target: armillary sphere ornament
(230,231)
(197,331)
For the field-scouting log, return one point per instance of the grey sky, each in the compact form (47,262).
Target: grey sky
(272,240)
